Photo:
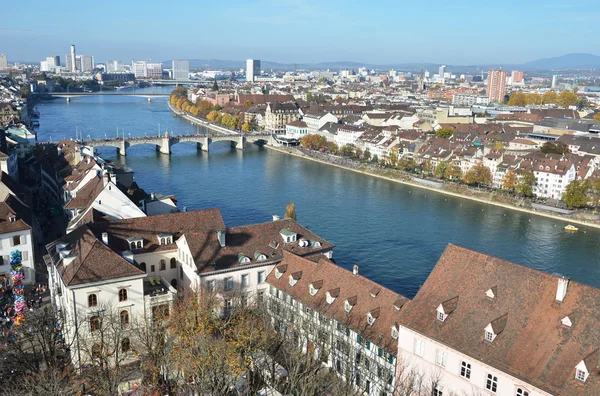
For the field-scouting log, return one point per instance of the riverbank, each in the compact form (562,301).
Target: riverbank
(565,219)
(199,121)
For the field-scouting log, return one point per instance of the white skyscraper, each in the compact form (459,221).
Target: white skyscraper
(3,62)
(140,69)
(252,69)
(53,61)
(442,70)
(554,81)
(72,65)
(181,70)
(85,63)
(115,66)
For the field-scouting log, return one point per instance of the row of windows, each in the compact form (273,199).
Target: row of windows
(93,298)
(162,265)
(95,320)
(491,382)
(125,347)
(228,282)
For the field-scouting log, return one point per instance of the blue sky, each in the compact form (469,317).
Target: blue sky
(451,31)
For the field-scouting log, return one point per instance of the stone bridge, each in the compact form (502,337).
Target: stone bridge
(164,143)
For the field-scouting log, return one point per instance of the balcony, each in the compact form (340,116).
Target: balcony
(158,291)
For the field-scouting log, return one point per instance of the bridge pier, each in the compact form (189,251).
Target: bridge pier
(239,144)
(165,146)
(122,150)
(68,99)
(149,99)
(202,146)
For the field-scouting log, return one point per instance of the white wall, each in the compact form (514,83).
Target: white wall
(25,246)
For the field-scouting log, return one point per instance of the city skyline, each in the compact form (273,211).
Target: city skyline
(304,32)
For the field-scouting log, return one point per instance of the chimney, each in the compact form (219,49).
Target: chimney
(105,238)
(275,217)
(561,290)
(355,269)
(221,236)
(105,177)
(152,196)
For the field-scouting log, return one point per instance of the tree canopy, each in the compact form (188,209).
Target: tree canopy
(444,133)
(576,193)
(525,185)
(555,148)
(478,174)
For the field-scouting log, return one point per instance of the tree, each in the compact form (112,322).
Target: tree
(453,172)
(290,211)
(594,192)
(309,97)
(332,147)
(358,153)
(444,133)
(214,116)
(517,98)
(510,180)
(25,92)
(567,98)
(247,102)
(375,158)
(246,127)
(367,154)
(478,174)
(499,146)
(576,193)
(215,86)
(557,147)
(549,97)
(597,116)
(440,169)
(393,157)
(347,150)
(526,183)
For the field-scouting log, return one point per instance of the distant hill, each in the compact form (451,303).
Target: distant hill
(569,61)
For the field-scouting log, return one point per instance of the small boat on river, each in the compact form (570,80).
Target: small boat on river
(571,227)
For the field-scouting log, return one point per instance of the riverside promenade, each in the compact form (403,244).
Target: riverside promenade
(436,187)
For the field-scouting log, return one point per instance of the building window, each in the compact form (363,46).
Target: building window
(244,280)
(491,383)
(440,358)
(163,265)
(210,285)
(580,375)
(261,296)
(125,345)
(261,276)
(522,392)
(367,386)
(173,263)
(441,316)
(94,323)
(92,300)
(437,390)
(489,336)
(419,347)
(17,240)
(124,317)
(122,295)
(227,305)
(228,283)
(143,266)
(152,268)
(465,370)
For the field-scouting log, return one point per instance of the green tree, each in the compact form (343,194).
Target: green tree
(309,97)
(290,211)
(332,147)
(347,150)
(248,103)
(393,158)
(525,184)
(358,153)
(478,174)
(555,148)
(510,180)
(576,193)
(215,86)
(440,169)
(367,154)
(594,192)
(453,172)
(532,98)
(375,158)
(444,133)
(567,98)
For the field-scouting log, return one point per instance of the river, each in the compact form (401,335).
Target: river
(395,233)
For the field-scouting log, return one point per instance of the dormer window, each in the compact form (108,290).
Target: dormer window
(288,235)
(243,259)
(331,295)
(258,256)
(441,316)
(350,303)
(279,271)
(303,243)
(489,336)
(295,277)
(446,308)
(273,244)
(314,287)
(491,293)
(370,319)
(394,332)
(12,218)
(316,244)
(135,243)
(495,327)
(164,239)
(580,375)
